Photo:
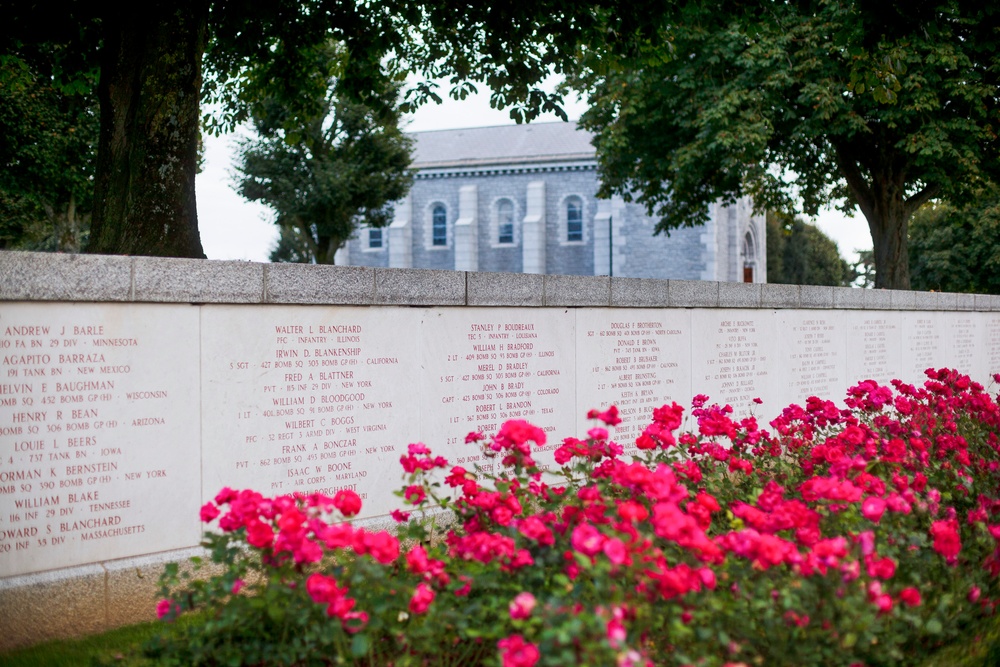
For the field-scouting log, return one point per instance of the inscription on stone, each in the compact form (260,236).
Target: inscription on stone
(812,350)
(635,359)
(991,332)
(309,399)
(733,357)
(962,332)
(923,345)
(487,366)
(97,428)
(873,350)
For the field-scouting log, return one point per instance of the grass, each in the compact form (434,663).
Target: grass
(123,648)
(117,647)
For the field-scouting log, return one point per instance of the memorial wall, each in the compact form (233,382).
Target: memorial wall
(133,389)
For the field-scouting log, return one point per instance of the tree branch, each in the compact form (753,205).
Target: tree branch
(919,199)
(855,180)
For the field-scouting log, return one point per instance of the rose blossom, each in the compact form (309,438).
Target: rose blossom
(522,605)
(422,598)
(515,652)
(910,597)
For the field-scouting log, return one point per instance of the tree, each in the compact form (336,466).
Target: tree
(879,105)
(956,248)
(343,168)
(800,254)
(48,135)
(159,59)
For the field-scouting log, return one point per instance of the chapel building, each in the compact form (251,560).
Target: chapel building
(522,198)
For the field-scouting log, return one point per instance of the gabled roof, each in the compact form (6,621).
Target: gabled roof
(502,144)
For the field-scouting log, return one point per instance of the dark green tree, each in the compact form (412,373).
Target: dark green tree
(956,249)
(882,106)
(48,137)
(158,60)
(801,254)
(342,168)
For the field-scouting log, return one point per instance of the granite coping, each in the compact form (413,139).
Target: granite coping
(163,280)
(33,276)
(577,291)
(316,284)
(43,276)
(419,287)
(740,295)
(693,293)
(504,289)
(639,293)
(774,295)
(844,297)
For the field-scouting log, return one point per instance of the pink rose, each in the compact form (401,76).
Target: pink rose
(910,597)
(167,609)
(422,598)
(946,539)
(414,494)
(873,508)
(348,502)
(587,539)
(515,652)
(522,605)
(208,512)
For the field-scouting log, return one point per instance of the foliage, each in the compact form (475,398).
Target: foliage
(158,59)
(882,106)
(343,167)
(956,249)
(863,270)
(801,254)
(48,135)
(862,536)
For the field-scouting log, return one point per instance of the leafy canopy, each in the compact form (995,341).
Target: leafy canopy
(957,248)
(874,105)
(340,168)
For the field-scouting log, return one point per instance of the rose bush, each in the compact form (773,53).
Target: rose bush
(856,535)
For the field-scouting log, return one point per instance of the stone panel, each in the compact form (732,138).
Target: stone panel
(924,345)
(733,357)
(99,426)
(991,348)
(637,359)
(302,399)
(486,366)
(873,350)
(811,355)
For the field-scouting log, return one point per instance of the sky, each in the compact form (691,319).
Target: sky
(233,228)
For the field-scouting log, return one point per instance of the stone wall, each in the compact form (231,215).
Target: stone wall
(132,389)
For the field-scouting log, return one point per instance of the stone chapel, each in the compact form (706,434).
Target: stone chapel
(522,198)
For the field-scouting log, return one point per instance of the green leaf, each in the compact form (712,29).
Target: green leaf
(360,645)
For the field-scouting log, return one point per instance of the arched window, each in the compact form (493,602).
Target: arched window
(574,219)
(505,221)
(439,226)
(749,252)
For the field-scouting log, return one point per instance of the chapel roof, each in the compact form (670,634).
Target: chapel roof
(501,144)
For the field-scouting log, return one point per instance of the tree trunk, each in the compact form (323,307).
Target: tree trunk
(880,192)
(888,228)
(147,156)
